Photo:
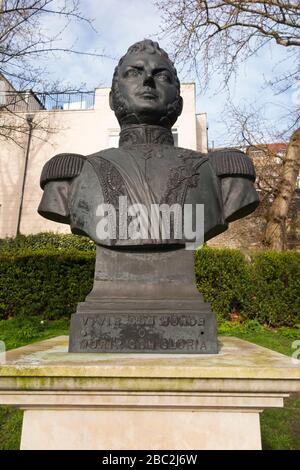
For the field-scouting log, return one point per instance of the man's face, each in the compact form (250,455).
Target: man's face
(147,84)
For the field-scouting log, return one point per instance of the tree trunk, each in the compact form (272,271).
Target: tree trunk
(275,234)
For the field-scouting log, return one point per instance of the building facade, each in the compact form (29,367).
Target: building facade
(41,126)
(34,128)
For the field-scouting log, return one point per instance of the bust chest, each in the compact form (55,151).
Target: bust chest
(166,172)
(147,175)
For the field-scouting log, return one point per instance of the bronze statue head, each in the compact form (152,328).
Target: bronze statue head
(145,87)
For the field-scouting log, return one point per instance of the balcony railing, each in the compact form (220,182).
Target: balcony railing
(30,101)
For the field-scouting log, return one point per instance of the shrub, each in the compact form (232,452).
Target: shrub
(265,289)
(44,282)
(47,240)
(47,275)
(223,278)
(275,296)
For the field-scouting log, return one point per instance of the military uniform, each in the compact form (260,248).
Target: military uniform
(75,185)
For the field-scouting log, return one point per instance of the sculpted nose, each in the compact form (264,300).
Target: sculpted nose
(149,81)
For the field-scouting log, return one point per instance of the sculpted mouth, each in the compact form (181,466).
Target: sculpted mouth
(148,95)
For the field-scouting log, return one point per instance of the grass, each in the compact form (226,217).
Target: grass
(10,428)
(18,332)
(280,339)
(15,333)
(280,427)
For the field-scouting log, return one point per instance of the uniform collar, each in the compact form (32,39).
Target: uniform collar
(145,134)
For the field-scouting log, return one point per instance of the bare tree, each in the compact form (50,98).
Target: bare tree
(31,30)
(250,131)
(275,235)
(275,168)
(28,31)
(216,36)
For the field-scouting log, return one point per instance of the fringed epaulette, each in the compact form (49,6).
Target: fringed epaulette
(62,166)
(232,162)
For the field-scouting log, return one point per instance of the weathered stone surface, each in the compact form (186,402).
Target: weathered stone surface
(144,302)
(139,427)
(46,365)
(145,401)
(144,332)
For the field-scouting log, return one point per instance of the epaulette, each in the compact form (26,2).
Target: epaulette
(62,166)
(232,162)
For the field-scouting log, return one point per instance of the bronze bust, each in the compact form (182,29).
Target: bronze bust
(134,306)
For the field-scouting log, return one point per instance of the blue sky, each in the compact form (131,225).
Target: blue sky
(119,23)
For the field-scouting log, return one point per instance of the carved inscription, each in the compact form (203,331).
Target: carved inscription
(143,332)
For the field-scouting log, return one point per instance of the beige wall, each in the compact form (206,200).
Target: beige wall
(17,101)
(11,174)
(201,132)
(78,131)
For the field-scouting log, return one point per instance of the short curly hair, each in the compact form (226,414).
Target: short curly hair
(151,47)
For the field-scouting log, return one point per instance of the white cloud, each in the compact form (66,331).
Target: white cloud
(250,86)
(119,24)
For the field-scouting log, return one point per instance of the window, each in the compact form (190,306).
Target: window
(113,138)
(175,136)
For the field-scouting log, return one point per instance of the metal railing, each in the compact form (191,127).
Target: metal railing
(29,101)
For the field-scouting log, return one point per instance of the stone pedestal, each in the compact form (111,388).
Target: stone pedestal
(145,401)
(144,301)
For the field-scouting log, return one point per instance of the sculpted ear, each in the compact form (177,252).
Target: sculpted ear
(180,105)
(111,101)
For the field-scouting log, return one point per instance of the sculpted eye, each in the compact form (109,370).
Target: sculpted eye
(132,73)
(164,77)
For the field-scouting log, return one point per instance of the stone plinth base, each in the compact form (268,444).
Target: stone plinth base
(140,429)
(117,401)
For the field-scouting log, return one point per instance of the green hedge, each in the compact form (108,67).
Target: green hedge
(223,278)
(44,282)
(275,288)
(47,275)
(47,240)
(265,287)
